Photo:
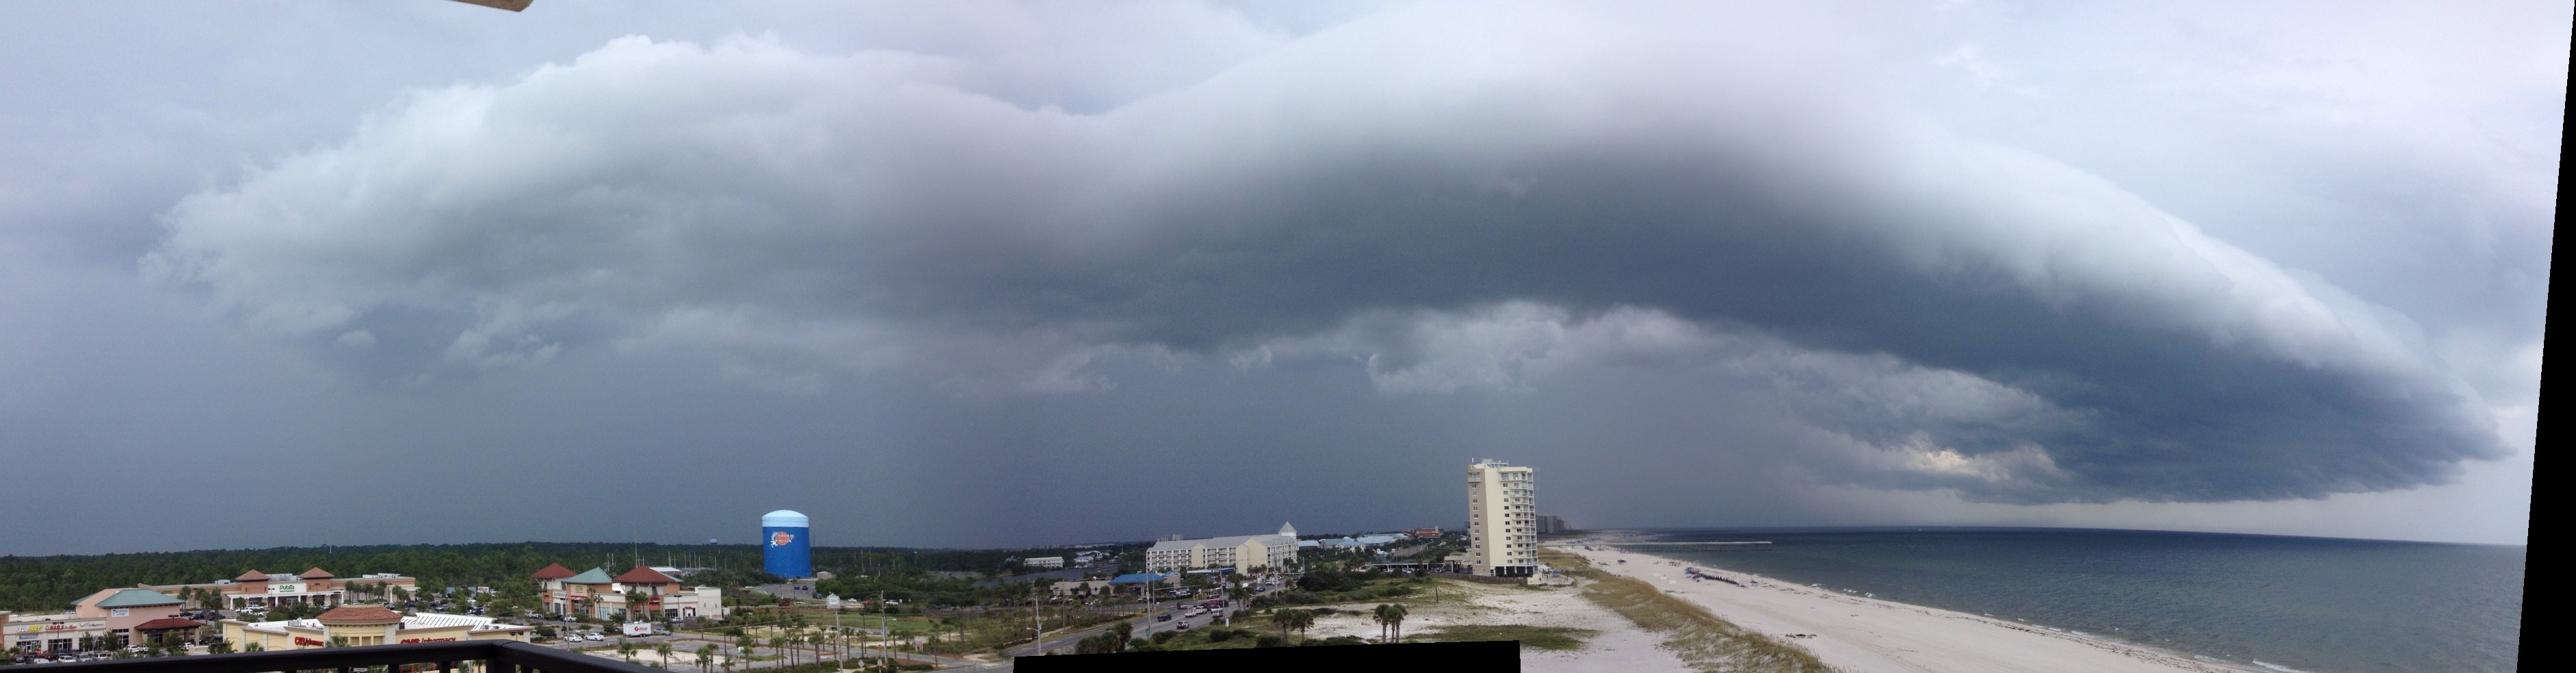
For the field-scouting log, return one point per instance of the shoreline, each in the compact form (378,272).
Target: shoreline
(1864,634)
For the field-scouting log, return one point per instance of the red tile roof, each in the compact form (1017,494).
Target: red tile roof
(360,614)
(168,623)
(317,573)
(643,575)
(253,576)
(553,571)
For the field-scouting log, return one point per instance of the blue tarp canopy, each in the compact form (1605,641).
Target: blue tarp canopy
(1139,578)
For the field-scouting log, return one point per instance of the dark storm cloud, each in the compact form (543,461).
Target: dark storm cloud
(1464,199)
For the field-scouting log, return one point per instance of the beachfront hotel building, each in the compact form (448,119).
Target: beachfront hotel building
(1240,552)
(1502,519)
(355,625)
(595,594)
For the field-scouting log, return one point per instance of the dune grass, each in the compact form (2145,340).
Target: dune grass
(1536,637)
(1707,643)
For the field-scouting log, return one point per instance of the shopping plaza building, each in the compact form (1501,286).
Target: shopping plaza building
(148,612)
(256,589)
(1240,552)
(129,615)
(353,625)
(595,594)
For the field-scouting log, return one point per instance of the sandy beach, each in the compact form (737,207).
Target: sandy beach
(1855,634)
(1866,635)
(1617,646)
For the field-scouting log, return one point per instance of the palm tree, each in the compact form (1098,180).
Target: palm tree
(706,653)
(635,605)
(778,643)
(1392,616)
(1235,596)
(1287,619)
(663,649)
(626,649)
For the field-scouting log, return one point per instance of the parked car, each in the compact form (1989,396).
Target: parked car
(1165,617)
(593,638)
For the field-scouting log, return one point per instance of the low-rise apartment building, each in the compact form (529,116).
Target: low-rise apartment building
(1240,552)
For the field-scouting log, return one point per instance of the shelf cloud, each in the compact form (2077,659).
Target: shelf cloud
(1461,201)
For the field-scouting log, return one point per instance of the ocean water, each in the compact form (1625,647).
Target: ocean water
(2284,603)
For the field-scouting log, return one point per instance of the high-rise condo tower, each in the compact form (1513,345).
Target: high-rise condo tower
(1502,519)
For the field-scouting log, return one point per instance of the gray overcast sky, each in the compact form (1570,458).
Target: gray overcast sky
(982,274)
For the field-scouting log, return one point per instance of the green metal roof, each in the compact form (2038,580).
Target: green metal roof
(591,576)
(135,598)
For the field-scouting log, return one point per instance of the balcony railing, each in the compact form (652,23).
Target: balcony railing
(499,656)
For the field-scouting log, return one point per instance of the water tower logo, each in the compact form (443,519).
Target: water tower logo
(789,553)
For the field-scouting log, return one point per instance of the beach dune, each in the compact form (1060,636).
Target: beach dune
(1866,635)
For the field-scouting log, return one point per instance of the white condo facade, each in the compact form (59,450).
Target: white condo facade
(1502,519)
(1243,553)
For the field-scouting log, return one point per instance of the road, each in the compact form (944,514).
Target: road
(1062,643)
(1144,627)
(683,644)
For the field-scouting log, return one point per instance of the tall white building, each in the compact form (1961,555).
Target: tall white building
(1502,519)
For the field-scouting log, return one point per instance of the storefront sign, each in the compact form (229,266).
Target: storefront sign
(67,626)
(301,641)
(429,640)
(120,612)
(288,588)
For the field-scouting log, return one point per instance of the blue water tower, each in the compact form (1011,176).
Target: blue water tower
(787,550)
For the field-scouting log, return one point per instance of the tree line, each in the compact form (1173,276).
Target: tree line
(38,584)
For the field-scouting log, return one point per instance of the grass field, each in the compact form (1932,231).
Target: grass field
(1535,637)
